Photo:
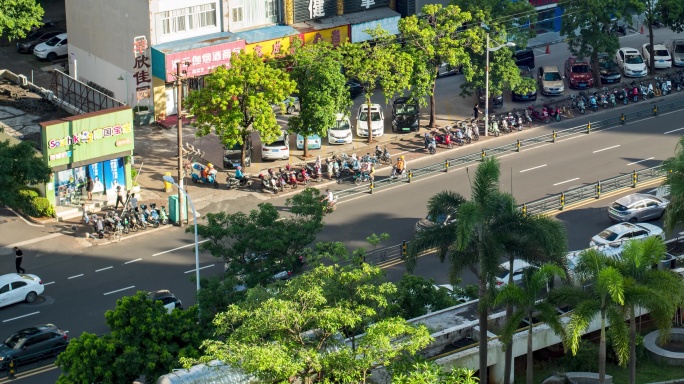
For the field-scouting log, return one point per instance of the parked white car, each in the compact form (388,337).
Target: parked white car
(631,62)
(661,57)
(277,150)
(519,268)
(377,118)
(617,234)
(677,51)
(53,48)
(17,287)
(341,133)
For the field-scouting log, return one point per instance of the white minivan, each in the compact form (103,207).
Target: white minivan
(53,48)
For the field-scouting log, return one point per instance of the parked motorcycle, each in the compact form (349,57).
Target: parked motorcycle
(443,140)
(198,174)
(541,116)
(268,184)
(232,182)
(161,213)
(554,113)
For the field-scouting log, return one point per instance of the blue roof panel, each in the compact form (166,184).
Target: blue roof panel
(196,42)
(267,33)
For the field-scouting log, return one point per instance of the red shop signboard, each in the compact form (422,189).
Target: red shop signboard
(202,60)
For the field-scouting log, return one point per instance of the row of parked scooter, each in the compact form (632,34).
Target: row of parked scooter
(130,220)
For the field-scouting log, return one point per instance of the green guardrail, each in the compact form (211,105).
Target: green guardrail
(588,128)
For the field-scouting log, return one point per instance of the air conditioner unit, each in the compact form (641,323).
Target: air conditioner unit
(49,95)
(23,81)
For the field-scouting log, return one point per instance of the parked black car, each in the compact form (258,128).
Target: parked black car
(525,72)
(524,57)
(36,37)
(233,156)
(608,69)
(495,100)
(355,88)
(405,115)
(33,343)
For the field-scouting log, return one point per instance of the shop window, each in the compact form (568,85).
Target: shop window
(237,15)
(271,9)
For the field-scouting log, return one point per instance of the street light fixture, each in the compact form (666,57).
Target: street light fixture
(124,77)
(486,114)
(170,179)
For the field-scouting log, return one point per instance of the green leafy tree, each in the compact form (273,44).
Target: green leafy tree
(529,304)
(21,167)
(260,244)
(674,179)
(477,240)
(321,88)
(503,21)
(143,341)
(17,17)
(237,101)
(584,24)
(660,292)
(435,37)
(216,294)
(671,13)
(421,372)
(604,297)
(296,331)
(417,295)
(382,63)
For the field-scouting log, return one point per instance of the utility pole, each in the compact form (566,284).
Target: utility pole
(179,103)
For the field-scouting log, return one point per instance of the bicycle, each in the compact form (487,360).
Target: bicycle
(566,112)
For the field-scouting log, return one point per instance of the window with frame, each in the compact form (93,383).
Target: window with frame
(237,15)
(271,8)
(188,19)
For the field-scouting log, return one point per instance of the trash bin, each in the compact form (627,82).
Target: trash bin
(167,186)
(668,262)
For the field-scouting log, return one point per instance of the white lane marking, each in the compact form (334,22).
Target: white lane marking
(50,283)
(193,270)
(46,237)
(605,149)
(175,249)
(674,130)
(529,169)
(103,269)
(641,161)
(133,261)
(119,290)
(567,181)
(22,316)
(73,277)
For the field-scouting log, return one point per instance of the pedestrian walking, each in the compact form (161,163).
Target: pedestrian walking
(476,111)
(134,202)
(18,259)
(119,198)
(89,187)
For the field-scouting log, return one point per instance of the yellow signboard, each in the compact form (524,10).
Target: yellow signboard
(270,48)
(335,36)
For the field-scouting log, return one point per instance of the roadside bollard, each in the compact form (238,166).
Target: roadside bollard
(404,249)
(622,119)
(371,187)
(446,165)
(517,146)
(484,154)
(635,178)
(524,210)
(10,372)
(598,189)
(562,201)
(588,127)
(410,176)
(655,110)
(553,136)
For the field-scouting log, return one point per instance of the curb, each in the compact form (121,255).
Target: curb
(121,238)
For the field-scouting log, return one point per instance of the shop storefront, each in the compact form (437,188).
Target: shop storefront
(198,57)
(97,145)
(271,41)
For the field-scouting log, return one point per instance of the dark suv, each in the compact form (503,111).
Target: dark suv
(33,343)
(36,37)
(405,115)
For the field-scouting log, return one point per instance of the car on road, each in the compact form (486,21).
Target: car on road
(33,343)
(661,56)
(52,49)
(617,234)
(630,62)
(233,157)
(18,287)
(313,142)
(578,72)
(677,50)
(447,70)
(609,72)
(496,99)
(519,268)
(430,221)
(377,119)
(36,37)
(515,96)
(405,115)
(168,299)
(256,263)
(341,133)
(550,81)
(637,207)
(279,149)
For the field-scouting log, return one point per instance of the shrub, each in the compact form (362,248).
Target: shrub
(586,359)
(23,198)
(42,207)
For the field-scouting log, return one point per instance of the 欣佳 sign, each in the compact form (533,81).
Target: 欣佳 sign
(202,60)
(85,137)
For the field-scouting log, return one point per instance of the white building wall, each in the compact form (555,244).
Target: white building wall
(158,6)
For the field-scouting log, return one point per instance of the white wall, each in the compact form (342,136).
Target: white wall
(92,68)
(156,6)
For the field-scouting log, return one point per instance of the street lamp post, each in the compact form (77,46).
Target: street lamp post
(486,113)
(169,179)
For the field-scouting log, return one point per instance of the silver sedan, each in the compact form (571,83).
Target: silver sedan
(637,207)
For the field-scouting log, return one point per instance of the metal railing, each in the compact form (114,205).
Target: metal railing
(517,146)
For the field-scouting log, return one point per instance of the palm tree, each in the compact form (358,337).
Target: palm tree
(604,297)
(660,292)
(674,166)
(485,225)
(528,304)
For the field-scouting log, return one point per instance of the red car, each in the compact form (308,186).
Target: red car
(578,72)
